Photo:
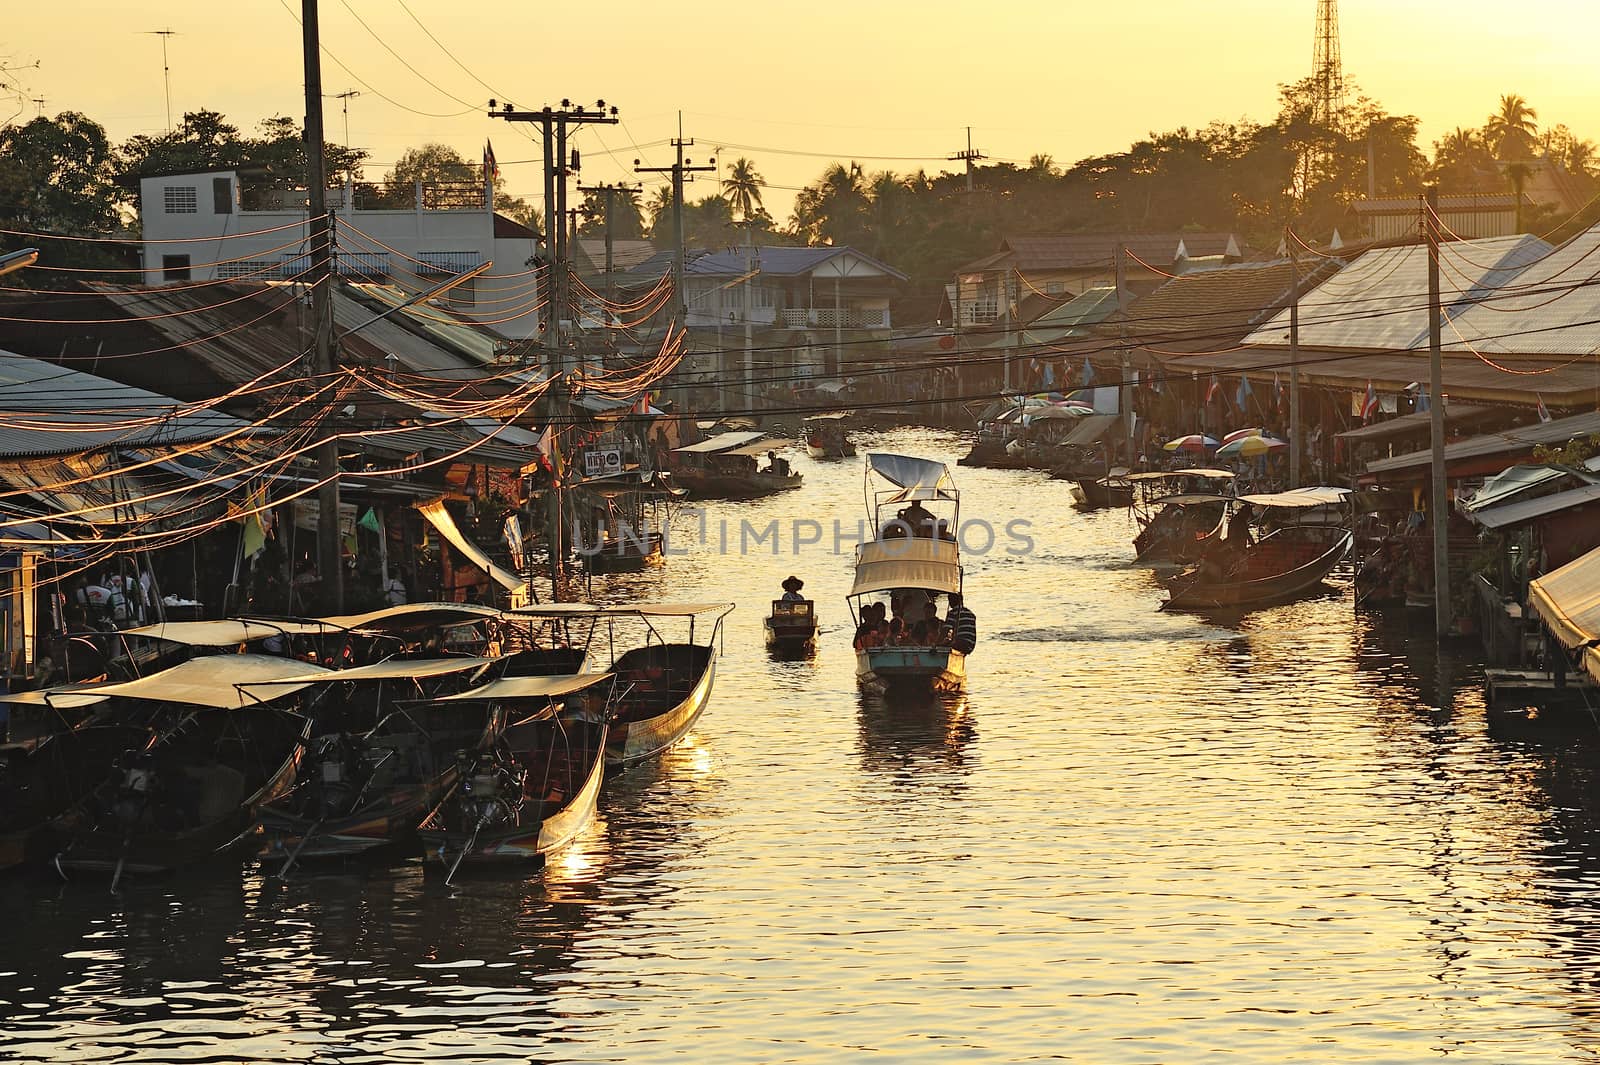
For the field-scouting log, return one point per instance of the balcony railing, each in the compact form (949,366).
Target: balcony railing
(828,318)
(417,196)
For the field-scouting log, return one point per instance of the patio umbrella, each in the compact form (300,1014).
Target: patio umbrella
(1237,433)
(1192,442)
(1248,447)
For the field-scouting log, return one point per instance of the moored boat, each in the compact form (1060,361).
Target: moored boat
(535,787)
(1285,562)
(824,436)
(727,466)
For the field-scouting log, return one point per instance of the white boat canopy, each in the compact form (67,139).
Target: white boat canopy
(440,519)
(719,443)
(905,471)
(227,632)
(630,610)
(531,687)
(219,681)
(66,697)
(1173,475)
(910,562)
(757,448)
(415,616)
(1568,599)
(1320,496)
(388,669)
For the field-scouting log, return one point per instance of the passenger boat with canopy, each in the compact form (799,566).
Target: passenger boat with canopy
(1180,514)
(535,787)
(824,436)
(727,466)
(912,560)
(663,685)
(218,753)
(1286,560)
(627,518)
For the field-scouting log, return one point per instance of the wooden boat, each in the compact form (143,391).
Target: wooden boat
(219,754)
(662,686)
(914,559)
(824,436)
(727,466)
(1279,566)
(791,627)
(628,515)
(379,758)
(1112,490)
(45,785)
(1177,530)
(533,789)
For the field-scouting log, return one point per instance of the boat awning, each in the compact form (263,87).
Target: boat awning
(756,449)
(630,610)
(66,697)
(1525,510)
(440,519)
(225,633)
(531,687)
(719,443)
(1568,599)
(1090,429)
(1319,496)
(912,562)
(219,681)
(388,669)
(1191,499)
(905,471)
(414,616)
(1176,475)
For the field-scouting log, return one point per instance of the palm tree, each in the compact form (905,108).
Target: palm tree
(1511,130)
(742,189)
(659,208)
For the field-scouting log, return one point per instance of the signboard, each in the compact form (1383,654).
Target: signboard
(307,515)
(602,461)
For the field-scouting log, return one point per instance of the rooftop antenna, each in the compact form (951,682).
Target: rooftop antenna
(39,101)
(344,99)
(166,71)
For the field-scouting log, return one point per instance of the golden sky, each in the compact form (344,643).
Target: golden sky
(889,83)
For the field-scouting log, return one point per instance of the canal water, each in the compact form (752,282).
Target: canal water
(1140,837)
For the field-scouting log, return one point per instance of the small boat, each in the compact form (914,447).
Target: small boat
(727,466)
(218,755)
(1282,564)
(1112,490)
(791,627)
(913,559)
(1179,513)
(662,686)
(628,513)
(824,436)
(535,787)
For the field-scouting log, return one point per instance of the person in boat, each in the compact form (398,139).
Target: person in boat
(897,632)
(963,625)
(777,465)
(919,518)
(1238,539)
(791,590)
(870,632)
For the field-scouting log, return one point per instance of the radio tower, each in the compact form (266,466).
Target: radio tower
(1327,71)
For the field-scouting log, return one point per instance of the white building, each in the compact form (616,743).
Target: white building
(225,224)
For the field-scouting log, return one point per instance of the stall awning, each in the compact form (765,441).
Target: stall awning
(912,562)
(1568,599)
(440,519)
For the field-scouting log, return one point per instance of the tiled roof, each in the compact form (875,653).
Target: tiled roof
(1472,201)
(1081,251)
(1207,309)
(780,261)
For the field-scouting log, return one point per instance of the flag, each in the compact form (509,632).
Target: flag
(1049,375)
(1544,412)
(1369,405)
(491,169)
(1241,395)
(1277,390)
(1423,404)
(1088,373)
(642,405)
(546,448)
(1213,389)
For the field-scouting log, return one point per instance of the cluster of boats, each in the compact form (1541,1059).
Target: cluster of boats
(460,733)
(1224,551)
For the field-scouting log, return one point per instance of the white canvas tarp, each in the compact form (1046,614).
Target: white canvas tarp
(719,443)
(911,562)
(906,471)
(218,681)
(1568,599)
(531,687)
(440,519)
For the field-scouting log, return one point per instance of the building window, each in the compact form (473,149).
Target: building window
(175,267)
(222,195)
(181,199)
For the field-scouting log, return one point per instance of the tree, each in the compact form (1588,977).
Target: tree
(57,176)
(1511,131)
(628,223)
(660,211)
(519,210)
(1462,161)
(433,165)
(742,188)
(205,140)
(833,210)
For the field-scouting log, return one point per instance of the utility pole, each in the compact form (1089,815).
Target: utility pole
(1438,510)
(1125,396)
(330,561)
(1294,357)
(553,123)
(609,192)
(678,170)
(970,156)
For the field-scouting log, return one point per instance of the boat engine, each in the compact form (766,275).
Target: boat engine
(490,790)
(338,775)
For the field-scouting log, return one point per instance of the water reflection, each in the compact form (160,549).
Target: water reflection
(910,740)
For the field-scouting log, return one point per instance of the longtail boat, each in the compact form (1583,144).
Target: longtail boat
(1281,564)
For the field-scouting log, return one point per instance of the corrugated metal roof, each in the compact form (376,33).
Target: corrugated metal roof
(1511,441)
(445,440)
(1380,301)
(48,410)
(780,262)
(1532,509)
(1081,251)
(1416,422)
(1553,309)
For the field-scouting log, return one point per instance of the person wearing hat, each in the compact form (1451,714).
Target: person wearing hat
(791,590)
